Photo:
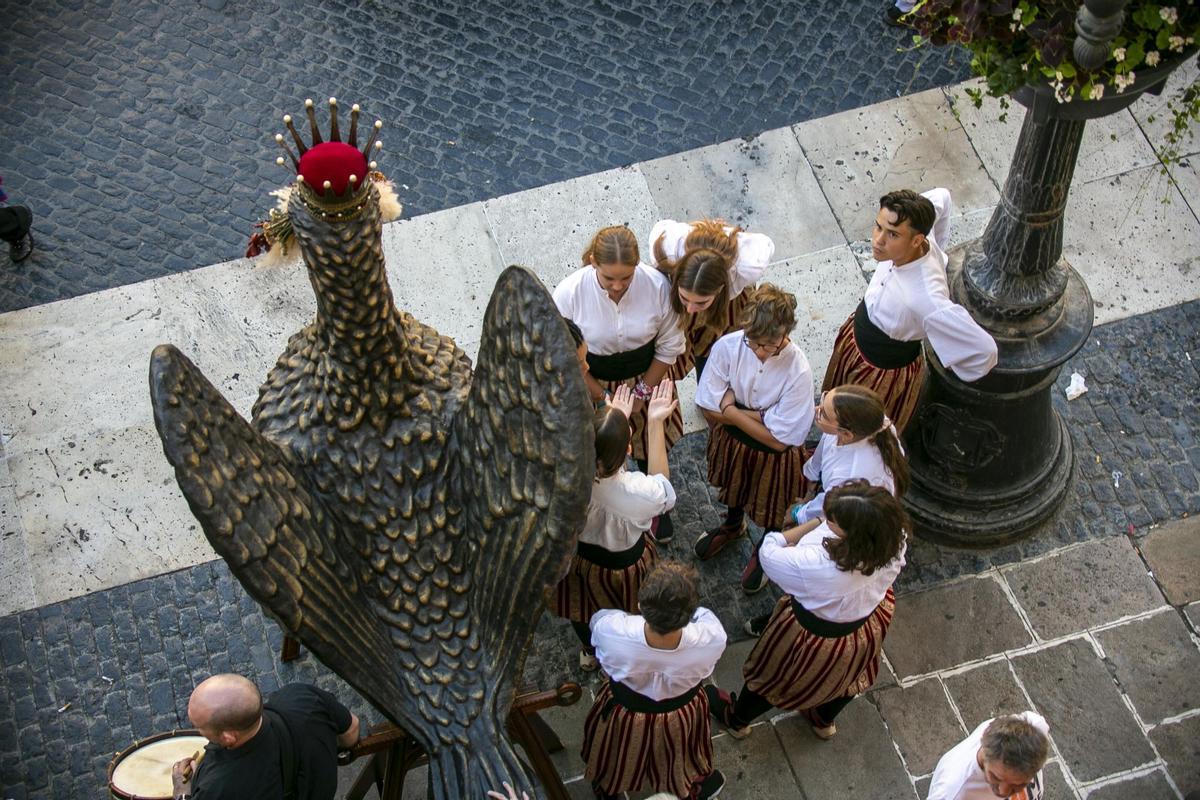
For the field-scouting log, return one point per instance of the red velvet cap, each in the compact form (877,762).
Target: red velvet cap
(334,162)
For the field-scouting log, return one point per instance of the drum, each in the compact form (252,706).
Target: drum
(142,771)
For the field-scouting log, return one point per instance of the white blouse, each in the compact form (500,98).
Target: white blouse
(644,313)
(912,302)
(620,641)
(833,464)
(754,251)
(622,507)
(781,387)
(807,573)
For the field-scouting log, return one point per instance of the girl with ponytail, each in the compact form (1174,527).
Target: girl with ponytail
(858,441)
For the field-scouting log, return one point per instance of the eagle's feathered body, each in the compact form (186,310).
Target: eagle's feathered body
(398,515)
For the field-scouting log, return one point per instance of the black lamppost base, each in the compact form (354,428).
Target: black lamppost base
(980,519)
(991,460)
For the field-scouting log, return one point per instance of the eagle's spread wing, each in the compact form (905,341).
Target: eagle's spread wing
(260,517)
(523,445)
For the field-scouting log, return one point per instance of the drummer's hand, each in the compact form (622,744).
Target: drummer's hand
(182,772)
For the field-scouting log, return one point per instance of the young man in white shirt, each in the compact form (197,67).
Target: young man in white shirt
(1002,757)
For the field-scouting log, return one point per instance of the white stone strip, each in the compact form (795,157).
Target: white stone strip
(1186,715)
(1016,604)
(1128,774)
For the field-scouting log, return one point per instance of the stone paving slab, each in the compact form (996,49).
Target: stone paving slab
(936,629)
(1095,583)
(1141,211)
(867,766)
(828,287)
(921,721)
(1179,745)
(1150,786)
(984,692)
(548,229)
(1173,553)
(1111,145)
(442,268)
(1156,661)
(1071,688)
(764,184)
(1193,614)
(914,142)
(755,767)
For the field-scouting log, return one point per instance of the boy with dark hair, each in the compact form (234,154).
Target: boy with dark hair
(908,301)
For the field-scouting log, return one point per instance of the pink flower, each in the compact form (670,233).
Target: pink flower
(1152,58)
(1169,14)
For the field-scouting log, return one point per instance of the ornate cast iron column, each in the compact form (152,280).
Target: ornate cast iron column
(992,459)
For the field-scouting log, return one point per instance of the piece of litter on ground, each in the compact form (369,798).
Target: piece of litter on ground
(64,708)
(1076,387)
(1097,459)
(1117,475)
(110,680)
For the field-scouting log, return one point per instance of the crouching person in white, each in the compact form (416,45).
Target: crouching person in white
(1003,757)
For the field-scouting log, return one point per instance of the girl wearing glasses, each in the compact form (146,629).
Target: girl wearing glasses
(822,645)
(757,392)
(623,308)
(710,265)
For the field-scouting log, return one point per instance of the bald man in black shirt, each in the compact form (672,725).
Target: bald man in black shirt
(284,749)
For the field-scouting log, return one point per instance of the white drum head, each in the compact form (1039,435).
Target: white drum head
(146,772)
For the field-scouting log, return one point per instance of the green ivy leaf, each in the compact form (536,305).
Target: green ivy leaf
(1134,55)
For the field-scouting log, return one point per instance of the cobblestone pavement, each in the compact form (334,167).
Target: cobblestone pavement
(139,132)
(86,677)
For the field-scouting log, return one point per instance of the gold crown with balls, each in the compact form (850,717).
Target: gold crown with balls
(331,178)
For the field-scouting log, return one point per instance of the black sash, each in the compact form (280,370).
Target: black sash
(823,627)
(877,347)
(622,366)
(607,558)
(628,699)
(748,440)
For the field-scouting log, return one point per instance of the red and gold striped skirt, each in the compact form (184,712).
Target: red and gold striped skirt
(637,421)
(764,484)
(797,670)
(700,338)
(589,587)
(629,751)
(899,388)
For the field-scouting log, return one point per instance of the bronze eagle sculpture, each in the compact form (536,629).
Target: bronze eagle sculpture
(398,514)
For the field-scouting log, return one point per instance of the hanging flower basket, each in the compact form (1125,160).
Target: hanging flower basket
(1023,49)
